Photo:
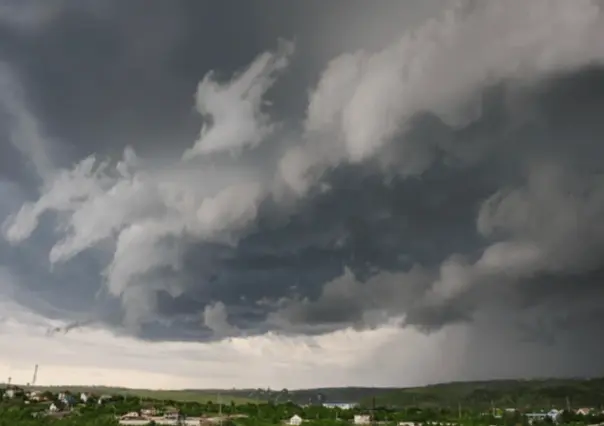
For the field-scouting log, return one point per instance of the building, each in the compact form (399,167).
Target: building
(149,412)
(34,396)
(584,411)
(341,405)
(362,419)
(13,392)
(103,398)
(552,414)
(66,399)
(295,420)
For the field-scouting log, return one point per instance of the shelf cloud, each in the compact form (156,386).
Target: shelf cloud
(445,185)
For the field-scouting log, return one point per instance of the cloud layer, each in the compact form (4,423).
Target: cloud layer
(447,181)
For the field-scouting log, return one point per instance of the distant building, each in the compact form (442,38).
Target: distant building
(13,391)
(552,414)
(341,405)
(149,412)
(103,398)
(362,419)
(295,420)
(584,411)
(85,397)
(34,396)
(66,398)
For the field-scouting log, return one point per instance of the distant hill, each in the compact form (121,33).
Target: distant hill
(521,394)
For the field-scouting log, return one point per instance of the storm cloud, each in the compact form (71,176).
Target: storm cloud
(444,173)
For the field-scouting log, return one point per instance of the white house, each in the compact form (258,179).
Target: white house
(104,398)
(295,420)
(552,414)
(584,411)
(149,412)
(10,393)
(53,408)
(362,419)
(84,397)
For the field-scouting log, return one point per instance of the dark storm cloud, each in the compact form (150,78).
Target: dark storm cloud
(472,194)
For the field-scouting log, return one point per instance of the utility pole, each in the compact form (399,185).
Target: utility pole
(459,410)
(372,419)
(568,404)
(219,408)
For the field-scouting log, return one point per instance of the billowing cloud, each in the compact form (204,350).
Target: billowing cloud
(235,108)
(443,188)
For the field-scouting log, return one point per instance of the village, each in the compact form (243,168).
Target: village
(133,410)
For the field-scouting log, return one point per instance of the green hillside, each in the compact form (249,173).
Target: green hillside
(521,394)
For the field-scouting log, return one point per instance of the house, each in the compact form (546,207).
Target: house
(362,419)
(584,411)
(85,397)
(295,420)
(104,398)
(34,396)
(13,392)
(341,405)
(53,408)
(552,414)
(149,412)
(172,413)
(66,399)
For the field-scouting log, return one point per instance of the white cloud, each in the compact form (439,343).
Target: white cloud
(216,318)
(364,100)
(144,213)
(235,108)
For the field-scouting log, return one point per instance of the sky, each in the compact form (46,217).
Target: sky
(260,194)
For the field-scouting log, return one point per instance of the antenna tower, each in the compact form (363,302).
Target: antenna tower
(33,381)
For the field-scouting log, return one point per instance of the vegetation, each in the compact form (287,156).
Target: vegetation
(462,404)
(521,394)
